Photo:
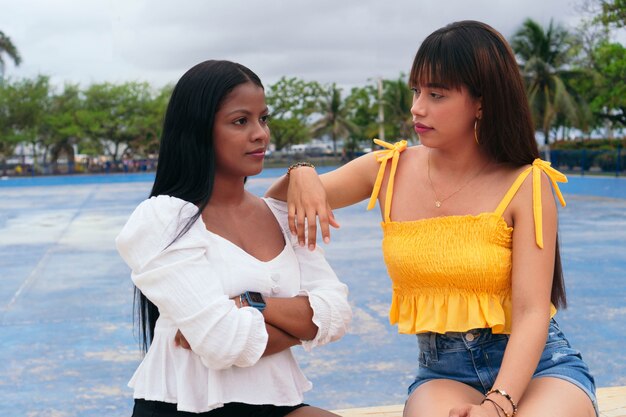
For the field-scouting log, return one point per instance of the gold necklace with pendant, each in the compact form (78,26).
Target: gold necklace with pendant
(439,201)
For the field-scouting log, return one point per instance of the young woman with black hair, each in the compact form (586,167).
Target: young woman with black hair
(216,268)
(469,237)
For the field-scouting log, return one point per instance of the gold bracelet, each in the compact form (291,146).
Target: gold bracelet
(505,395)
(299,164)
(497,406)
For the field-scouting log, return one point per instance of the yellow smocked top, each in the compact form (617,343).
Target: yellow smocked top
(453,273)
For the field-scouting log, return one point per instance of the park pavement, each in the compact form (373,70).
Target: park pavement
(68,345)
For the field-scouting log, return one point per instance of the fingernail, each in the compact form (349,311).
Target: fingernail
(311,247)
(326,239)
(301,244)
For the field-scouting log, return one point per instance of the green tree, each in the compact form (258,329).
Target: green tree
(604,62)
(398,99)
(545,58)
(115,116)
(292,101)
(609,100)
(61,129)
(7,48)
(27,102)
(147,141)
(8,138)
(362,105)
(287,131)
(335,120)
(613,13)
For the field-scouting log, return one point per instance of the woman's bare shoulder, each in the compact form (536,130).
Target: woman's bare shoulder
(507,172)
(415,151)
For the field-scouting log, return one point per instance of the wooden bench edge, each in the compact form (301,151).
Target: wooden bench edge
(611,401)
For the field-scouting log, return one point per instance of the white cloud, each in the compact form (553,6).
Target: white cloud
(344,41)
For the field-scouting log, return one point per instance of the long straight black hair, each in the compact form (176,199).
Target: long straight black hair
(476,56)
(186,165)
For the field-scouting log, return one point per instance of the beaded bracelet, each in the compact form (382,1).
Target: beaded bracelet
(505,395)
(299,164)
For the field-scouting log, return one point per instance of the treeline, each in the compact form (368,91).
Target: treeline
(102,119)
(575,79)
(124,120)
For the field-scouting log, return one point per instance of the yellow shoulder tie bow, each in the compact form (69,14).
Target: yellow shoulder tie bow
(554,176)
(392,152)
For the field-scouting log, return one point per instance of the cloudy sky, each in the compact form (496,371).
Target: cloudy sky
(345,41)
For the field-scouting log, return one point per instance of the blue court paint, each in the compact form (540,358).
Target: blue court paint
(67,340)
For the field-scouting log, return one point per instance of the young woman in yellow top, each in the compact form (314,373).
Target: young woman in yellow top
(469,236)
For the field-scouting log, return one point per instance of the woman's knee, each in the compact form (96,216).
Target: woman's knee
(556,397)
(435,398)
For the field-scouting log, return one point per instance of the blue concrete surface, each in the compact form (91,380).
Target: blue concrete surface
(69,180)
(67,338)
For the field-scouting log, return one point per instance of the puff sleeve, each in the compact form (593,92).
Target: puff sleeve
(328,296)
(181,281)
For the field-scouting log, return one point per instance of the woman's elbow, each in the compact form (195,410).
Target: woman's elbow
(310,332)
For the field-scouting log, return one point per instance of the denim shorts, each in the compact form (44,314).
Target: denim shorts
(474,358)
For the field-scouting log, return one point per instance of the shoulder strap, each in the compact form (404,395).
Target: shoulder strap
(392,152)
(512,191)
(537,167)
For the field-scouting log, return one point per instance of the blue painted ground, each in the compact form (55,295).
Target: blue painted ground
(67,345)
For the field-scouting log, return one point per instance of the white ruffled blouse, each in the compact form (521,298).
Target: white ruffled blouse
(191,282)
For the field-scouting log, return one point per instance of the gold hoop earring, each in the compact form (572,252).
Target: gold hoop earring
(476,133)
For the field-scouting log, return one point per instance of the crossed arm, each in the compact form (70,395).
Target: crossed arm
(288,321)
(318,314)
(182,282)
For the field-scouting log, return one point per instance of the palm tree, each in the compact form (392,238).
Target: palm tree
(398,99)
(7,47)
(335,117)
(544,58)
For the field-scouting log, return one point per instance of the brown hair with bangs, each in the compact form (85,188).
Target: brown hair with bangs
(474,55)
